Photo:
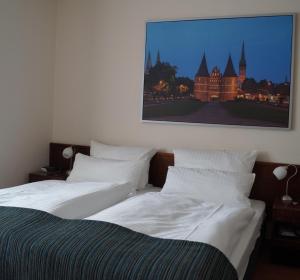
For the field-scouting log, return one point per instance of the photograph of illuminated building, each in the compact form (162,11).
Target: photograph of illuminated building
(226,71)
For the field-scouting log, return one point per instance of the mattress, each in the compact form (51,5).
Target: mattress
(243,249)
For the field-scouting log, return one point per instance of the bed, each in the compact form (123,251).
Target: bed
(216,227)
(65,200)
(86,256)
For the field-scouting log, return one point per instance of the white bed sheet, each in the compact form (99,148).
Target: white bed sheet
(243,249)
(65,200)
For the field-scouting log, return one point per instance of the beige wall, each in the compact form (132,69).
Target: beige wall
(27,35)
(99,75)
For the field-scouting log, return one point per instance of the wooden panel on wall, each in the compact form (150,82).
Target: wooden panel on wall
(55,154)
(159,168)
(266,187)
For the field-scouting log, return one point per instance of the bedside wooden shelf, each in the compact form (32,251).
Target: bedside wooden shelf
(285,220)
(286,212)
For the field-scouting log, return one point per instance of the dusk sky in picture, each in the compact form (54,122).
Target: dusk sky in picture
(268,44)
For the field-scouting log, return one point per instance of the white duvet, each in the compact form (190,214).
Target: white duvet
(63,199)
(175,216)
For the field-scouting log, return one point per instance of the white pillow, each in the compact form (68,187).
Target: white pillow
(231,188)
(100,150)
(90,169)
(216,159)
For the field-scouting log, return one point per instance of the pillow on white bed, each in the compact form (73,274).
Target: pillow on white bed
(230,188)
(90,169)
(216,159)
(103,151)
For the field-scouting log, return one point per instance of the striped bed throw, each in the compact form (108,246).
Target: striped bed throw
(35,245)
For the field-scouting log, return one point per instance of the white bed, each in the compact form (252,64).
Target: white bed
(65,200)
(243,249)
(145,213)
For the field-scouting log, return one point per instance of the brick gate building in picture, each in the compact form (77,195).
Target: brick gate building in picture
(215,86)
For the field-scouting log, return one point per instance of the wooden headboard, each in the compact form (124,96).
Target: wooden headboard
(266,187)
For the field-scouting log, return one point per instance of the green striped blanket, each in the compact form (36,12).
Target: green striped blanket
(35,245)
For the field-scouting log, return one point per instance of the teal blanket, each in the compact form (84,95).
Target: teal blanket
(35,245)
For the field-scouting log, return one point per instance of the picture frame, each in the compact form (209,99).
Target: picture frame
(227,71)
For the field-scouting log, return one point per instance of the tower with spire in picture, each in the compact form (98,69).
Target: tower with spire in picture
(242,66)
(148,64)
(158,58)
(217,86)
(202,81)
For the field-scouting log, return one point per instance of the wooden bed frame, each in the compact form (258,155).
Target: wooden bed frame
(266,187)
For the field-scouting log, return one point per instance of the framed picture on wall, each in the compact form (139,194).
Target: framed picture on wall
(235,71)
